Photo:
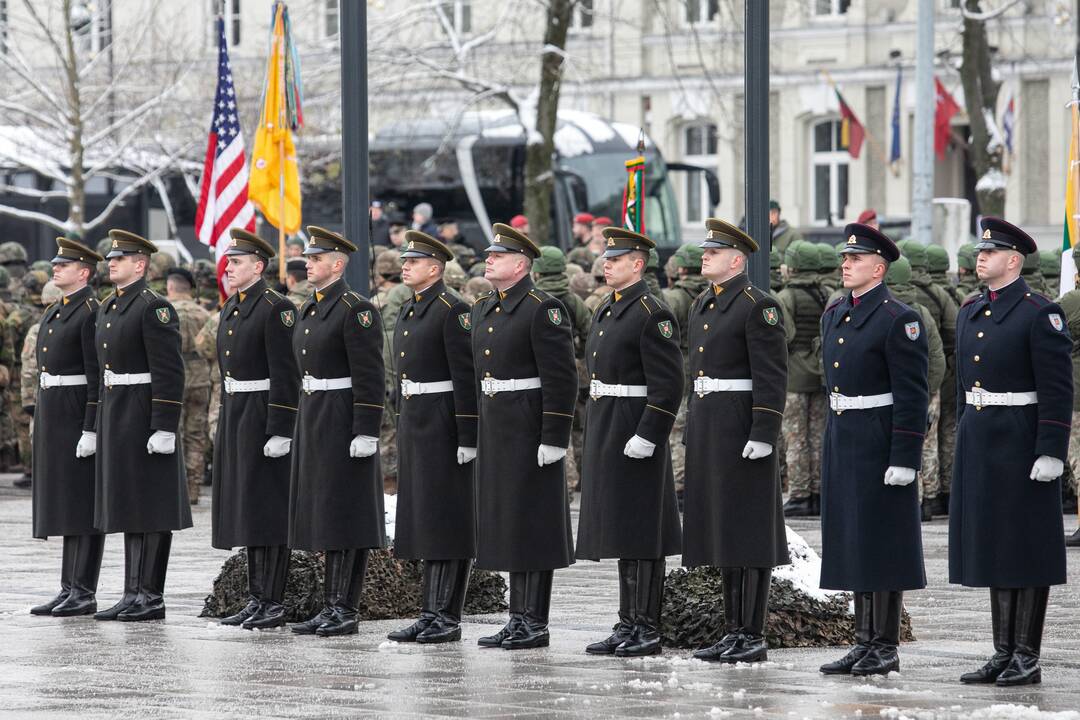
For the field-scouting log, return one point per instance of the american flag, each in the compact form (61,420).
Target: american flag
(223,192)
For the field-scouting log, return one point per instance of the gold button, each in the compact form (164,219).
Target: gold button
(847,319)
(487,374)
(987,313)
(307,331)
(700,349)
(50,331)
(491,329)
(836,389)
(701,373)
(601,333)
(978,384)
(410,313)
(230,332)
(498,309)
(404,375)
(235,312)
(705,326)
(594,376)
(607,313)
(712,305)
(402,353)
(311,313)
(980,333)
(836,364)
(302,352)
(486,352)
(841,341)
(405,333)
(45,349)
(106,366)
(976,358)
(227,353)
(108,325)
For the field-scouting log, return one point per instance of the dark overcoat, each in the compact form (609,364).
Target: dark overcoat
(251,491)
(523,513)
(628,506)
(1005,529)
(733,515)
(436,503)
(871,533)
(336,501)
(63,486)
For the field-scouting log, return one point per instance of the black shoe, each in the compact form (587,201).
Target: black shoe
(879,660)
(1073,540)
(344,621)
(517,612)
(941,505)
(308,627)
(427,608)
(346,617)
(409,634)
(246,612)
(150,603)
(439,632)
(799,507)
(333,562)
(844,665)
(732,589)
(274,572)
(269,615)
(746,649)
(649,595)
(256,570)
(864,612)
(67,570)
(627,597)
(750,645)
(1023,668)
(496,640)
(1002,617)
(815,502)
(926,508)
(714,652)
(644,641)
(532,632)
(133,552)
(24,482)
(451,581)
(82,600)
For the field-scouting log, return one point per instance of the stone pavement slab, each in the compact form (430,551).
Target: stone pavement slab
(189,667)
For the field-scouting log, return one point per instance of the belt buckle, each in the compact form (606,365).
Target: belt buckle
(594,390)
(305,384)
(107,378)
(229,386)
(977,395)
(487,386)
(405,389)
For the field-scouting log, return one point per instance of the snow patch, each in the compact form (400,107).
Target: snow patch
(804,572)
(390,515)
(639,684)
(571,141)
(1021,712)
(992,180)
(597,128)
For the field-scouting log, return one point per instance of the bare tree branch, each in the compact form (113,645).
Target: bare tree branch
(989,14)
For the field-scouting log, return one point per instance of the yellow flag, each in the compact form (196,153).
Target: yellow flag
(273,160)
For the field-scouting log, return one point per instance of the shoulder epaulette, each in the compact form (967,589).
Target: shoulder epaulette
(149,296)
(92,303)
(537,298)
(1037,299)
(970,300)
(355,298)
(648,299)
(746,292)
(272,296)
(48,308)
(834,303)
(447,303)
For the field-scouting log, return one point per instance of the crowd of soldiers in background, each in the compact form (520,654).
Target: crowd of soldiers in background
(805,278)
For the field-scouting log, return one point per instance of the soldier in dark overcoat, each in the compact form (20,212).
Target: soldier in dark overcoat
(336,491)
(64,437)
(436,439)
(628,505)
(523,350)
(875,357)
(141,485)
(1014,401)
(260,387)
(738,366)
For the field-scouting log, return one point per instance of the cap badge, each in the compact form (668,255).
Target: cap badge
(411,244)
(233,243)
(986,234)
(851,240)
(611,242)
(116,243)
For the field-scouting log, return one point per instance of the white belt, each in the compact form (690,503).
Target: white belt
(598,389)
(491,386)
(979,398)
(246,386)
(112,378)
(859,402)
(705,385)
(410,388)
(47,381)
(313,384)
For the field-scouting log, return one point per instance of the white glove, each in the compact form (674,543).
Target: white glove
(1047,468)
(756,450)
(277,446)
(87,445)
(547,454)
(465,455)
(638,448)
(162,443)
(363,446)
(899,476)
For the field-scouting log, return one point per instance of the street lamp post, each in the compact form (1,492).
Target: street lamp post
(354,141)
(756,124)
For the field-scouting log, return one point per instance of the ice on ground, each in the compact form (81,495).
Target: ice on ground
(1010,711)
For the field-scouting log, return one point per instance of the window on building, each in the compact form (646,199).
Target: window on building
(828,173)
(699,148)
(331,19)
(229,11)
(831,7)
(701,11)
(581,17)
(459,13)
(91,22)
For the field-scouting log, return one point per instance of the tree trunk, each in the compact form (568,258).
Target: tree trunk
(980,98)
(77,191)
(540,147)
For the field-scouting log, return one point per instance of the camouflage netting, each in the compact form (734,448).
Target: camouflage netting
(693,615)
(391,589)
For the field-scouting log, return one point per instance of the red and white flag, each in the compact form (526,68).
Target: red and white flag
(223,190)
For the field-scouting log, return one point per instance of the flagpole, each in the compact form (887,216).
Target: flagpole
(279,41)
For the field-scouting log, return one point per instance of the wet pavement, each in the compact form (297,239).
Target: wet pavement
(188,667)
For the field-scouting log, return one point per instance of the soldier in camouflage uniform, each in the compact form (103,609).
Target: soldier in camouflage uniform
(829,274)
(602,290)
(13,259)
(1032,274)
(9,455)
(549,275)
(935,485)
(679,296)
(1070,304)
(938,268)
(298,289)
(776,273)
(1050,264)
(967,282)
(193,317)
(454,276)
(49,294)
(389,295)
(19,321)
(802,301)
(206,285)
(652,266)
(160,263)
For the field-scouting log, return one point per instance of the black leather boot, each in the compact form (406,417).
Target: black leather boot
(345,620)
(1023,668)
(451,584)
(1002,619)
(428,603)
(272,611)
(815,504)
(133,552)
(67,569)
(732,587)
(256,571)
(517,612)
(532,631)
(82,600)
(333,561)
(926,509)
(883,658)
(751,646)
(799,507)
(941,505)
(645,638)
(150,603)
(864,633)
(623,629)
